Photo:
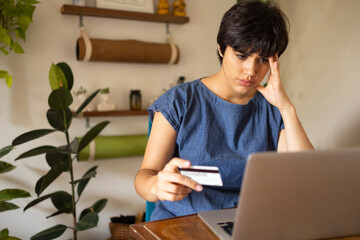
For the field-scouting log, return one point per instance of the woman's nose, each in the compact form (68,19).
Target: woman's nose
(250,67)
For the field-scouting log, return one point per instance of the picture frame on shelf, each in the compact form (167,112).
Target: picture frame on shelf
(146,6)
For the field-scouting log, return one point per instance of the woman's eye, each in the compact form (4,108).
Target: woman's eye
(264,60)
(241,56)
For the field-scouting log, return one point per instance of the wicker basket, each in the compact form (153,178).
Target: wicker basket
(120,231)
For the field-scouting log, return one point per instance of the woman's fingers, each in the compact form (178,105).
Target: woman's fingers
(171,191)
(173,186)
(278,94)
(175,163)
(274,67)
(177,178)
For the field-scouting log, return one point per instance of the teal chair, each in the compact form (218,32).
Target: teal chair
(149,205)
(149,209)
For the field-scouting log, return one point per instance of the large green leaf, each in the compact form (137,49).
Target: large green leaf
(91,135)
(40,199)
(62,202)
(55,158)
(60,99)
(50,233)
(57,120)
(38,186)
(31,135)
(67,211)
(5,167)
(89,174)
(46,180)
(71,148)
(5,206)
(88,221)
(5,150)
(86,102)
(12,193)
(68,74)
(57,78)
(96,207)
(85,180)
(99,205)
(37,151)
(17,48)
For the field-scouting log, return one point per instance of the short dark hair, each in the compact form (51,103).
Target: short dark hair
(254,26)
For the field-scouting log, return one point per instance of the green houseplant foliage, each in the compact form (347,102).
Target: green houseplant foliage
(8,194)
(60,159)
(15,17)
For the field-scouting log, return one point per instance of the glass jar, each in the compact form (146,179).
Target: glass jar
(135,100)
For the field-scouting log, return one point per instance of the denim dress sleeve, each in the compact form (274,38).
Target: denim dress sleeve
(213,132)
(172,105)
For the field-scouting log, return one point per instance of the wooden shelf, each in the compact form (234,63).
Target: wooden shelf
(111,13)
(118,113)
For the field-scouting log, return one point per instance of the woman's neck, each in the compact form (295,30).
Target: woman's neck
(215,83)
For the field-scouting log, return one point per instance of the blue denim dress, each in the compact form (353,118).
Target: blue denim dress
(214,132)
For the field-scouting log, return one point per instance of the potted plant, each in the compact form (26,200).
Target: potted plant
(15,17)
(80,96)
(105,104)
(8,194)
(60,159)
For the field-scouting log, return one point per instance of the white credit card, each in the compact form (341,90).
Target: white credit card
(204,175)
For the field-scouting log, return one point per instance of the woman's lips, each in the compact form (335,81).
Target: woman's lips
(246,83)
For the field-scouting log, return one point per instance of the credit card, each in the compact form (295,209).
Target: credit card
(204,175)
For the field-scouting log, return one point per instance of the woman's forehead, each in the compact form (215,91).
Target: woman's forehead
(251,52)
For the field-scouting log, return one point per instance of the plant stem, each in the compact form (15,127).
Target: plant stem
(71,180)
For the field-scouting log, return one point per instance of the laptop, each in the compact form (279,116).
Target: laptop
(299,195)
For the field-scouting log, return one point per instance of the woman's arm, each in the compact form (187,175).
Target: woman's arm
(158,177)
(293,137)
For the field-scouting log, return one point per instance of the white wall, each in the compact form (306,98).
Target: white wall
(51,39)
(321,69)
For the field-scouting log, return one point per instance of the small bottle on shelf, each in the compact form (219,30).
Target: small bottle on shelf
(135,100)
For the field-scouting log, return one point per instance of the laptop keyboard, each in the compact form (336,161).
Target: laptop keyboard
(227,226)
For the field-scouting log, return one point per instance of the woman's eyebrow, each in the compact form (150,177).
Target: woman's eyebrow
(242,53)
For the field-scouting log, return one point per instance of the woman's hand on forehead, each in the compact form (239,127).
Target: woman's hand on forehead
(274,91)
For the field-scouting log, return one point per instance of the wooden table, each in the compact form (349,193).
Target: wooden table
(189,227)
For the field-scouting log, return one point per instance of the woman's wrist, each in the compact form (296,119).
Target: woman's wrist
(296,138)
(153,188)
(145,184)
(288,111)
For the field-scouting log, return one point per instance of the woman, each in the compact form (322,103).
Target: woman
(220,119)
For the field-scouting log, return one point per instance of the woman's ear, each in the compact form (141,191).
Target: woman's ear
(219,51)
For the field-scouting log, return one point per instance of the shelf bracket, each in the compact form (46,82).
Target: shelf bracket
(167,28)
(81,21)
(87,119)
